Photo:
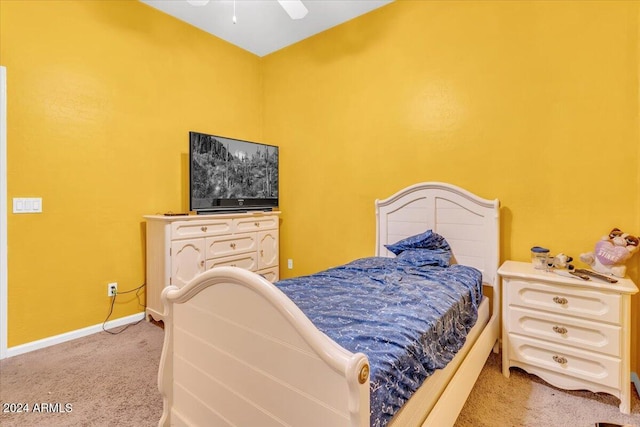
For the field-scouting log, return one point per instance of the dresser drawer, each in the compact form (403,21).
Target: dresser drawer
(580,302)
(271,274)
(191,229)
(584,334)
(233,244)
(255,223)
(565,360)
(247,261)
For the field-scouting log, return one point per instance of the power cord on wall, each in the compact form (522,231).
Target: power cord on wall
(113,301)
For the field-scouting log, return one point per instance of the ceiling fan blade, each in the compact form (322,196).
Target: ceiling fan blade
(197,2)
(294,8)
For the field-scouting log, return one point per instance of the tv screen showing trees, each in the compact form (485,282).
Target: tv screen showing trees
(228,173)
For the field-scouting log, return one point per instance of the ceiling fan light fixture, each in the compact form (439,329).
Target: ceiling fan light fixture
(234,20)
(294,8)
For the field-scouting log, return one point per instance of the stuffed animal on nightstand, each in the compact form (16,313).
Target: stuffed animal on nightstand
(611,252)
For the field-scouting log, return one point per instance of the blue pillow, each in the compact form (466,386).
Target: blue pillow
(422,257)
(426,240)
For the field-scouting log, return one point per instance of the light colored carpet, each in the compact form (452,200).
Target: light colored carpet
(111,380)
(523,400)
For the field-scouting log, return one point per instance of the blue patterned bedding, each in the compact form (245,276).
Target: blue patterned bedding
(409,320)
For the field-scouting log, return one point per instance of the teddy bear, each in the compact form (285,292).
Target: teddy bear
(611,253)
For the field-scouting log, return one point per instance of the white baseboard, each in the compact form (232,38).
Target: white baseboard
(68,336)
(636,381)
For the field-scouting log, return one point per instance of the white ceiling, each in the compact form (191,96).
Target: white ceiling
(263,26)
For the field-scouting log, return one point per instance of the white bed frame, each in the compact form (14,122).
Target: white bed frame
(238,352)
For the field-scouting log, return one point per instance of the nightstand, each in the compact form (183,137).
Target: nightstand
(572,333)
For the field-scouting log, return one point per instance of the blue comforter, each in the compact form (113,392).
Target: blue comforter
(408,320)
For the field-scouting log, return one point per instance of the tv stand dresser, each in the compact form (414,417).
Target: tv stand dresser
(180,247)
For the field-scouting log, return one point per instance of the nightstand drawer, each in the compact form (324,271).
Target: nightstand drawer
(566,360)
(588,304)
(584,334)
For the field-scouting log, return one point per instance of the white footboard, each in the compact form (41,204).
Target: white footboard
(237,351)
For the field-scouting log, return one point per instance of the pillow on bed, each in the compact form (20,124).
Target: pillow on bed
(426,240)
(422,257)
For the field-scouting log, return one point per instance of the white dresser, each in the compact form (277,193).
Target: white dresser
(180,247)
(574,334)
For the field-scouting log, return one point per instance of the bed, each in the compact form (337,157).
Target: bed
(238,351)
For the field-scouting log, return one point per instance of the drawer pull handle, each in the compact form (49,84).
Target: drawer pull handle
(560,329)
(203,228)
(257,224)
(261,253)
(233,245)
(560,300)
(201,263)
(559,359)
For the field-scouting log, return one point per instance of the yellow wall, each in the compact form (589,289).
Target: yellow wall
(534,103)
(101,96)
(635,308)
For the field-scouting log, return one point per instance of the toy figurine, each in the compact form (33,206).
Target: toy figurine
(561,261)
(611,253)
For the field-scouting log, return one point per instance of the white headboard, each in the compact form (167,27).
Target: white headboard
(470,223)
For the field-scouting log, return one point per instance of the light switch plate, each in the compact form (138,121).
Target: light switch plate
(27,205)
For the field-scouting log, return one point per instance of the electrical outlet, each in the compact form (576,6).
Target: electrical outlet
(290,264)
(112,289)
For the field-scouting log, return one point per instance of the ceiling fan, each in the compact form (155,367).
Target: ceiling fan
(294,8)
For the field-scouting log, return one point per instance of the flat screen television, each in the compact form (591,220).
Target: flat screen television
(227,174)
